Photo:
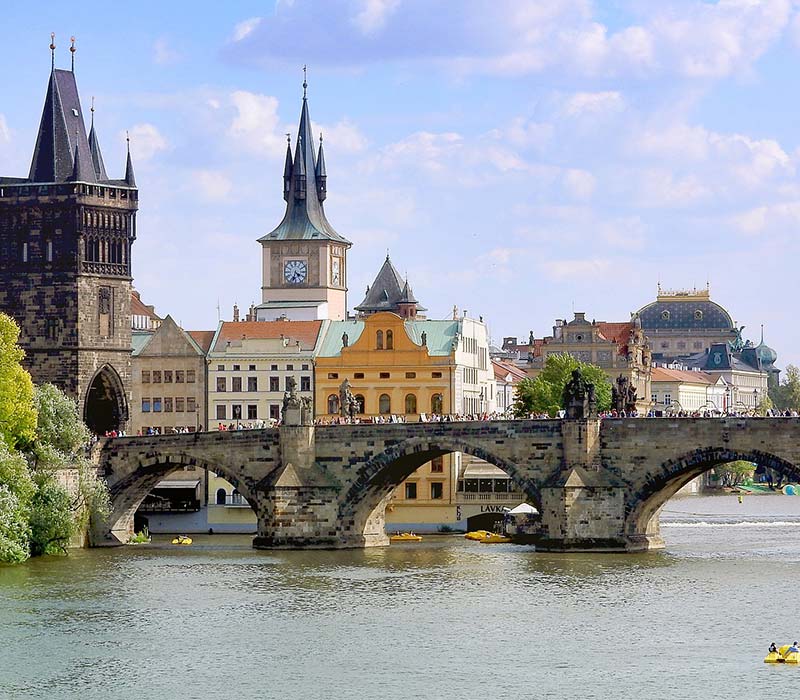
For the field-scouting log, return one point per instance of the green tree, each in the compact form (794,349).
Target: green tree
(787,394)
(734,473)
(58,423)
(17,490)
(544,393)
(52,521)
(17,410)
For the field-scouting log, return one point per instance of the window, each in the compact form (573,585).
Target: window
(360,402)
(697,345)
(437,465)
(252,384)
(251,368)
(389,340)
(698,315)
(167,404)
(411,491)
(220,412)
(304,368)
(290,368)
(49,251)
(236,368)
(236,384)
(665,315)
(305,383)
(237,411)
(274,411)
(167,376)
(681,345)
(25,252)
(436,403)
(274,384)
(385,375)
(411,375)
(384,404)
(222,384)
(156,377)
(156,405)
(437,490)
(379,340)
(358,375)
(654,398)
(189,376)
(436,375)
(145,405)
(665,345)
(191,404)
(145,376)
(252,411)
(179,405)
(221,494)
(274,368)
(333,375)
(220,368)
(411,403)
(668,399)
(333,404)
(180,376)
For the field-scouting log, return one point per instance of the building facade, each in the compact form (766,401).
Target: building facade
(66,235)
(691,391)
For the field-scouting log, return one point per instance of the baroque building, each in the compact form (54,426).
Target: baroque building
(66,232)
(304,260)
(390,292)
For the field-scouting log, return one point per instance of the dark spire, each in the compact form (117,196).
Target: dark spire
(130,180)
(52,51)
(94,149)
(287,168)
(72,50)
(389,292)
(321,173)
(82,170)
(305,216)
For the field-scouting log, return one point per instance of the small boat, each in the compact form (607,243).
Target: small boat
(477,535)
(773,658)
(494,538)
(182,539)
(787,654)
(405,537)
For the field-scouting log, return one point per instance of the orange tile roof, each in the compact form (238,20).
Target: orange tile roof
(616,332)
(662,374)
(202,338)
(139,308)
(306,332)
(502,369)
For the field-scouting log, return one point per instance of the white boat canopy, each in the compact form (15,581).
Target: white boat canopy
(523,508)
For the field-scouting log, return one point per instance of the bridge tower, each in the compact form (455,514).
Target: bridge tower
(66,232)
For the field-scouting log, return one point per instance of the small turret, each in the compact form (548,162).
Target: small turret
(287,169)
(130,179)
(81,172)
(299,169)
(322,174)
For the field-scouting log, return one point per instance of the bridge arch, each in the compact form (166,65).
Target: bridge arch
(645,501)
(104,405)
(128,488)
(362,507)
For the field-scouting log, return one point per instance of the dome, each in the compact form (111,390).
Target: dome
(685,314)
(766,354)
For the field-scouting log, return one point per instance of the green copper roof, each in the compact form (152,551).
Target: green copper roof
(439,335)
(332,342)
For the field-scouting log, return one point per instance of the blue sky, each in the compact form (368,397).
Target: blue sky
(519,160)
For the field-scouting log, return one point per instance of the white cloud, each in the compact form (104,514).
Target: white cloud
(164,53)
(146,142)
(593,103)
(373,15)
(256,124)
(245,28)
(575,268)
(579,183)
(212,185)
(783,216)
(344,136)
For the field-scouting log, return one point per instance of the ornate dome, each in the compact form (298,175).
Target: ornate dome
(688,313)
(765,353)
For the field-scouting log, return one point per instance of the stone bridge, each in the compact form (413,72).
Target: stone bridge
(599,484)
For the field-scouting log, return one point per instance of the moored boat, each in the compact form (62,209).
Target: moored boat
(477,535)
(405,537)
(182,539)
(494,538)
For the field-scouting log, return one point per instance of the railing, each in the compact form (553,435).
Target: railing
(235,500)
(192,506)
(490,496)
(101,268)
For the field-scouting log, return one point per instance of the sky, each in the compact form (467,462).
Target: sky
(520,160)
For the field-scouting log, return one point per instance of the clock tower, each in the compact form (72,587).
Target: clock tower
(304,260)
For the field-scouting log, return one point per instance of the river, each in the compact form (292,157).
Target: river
(445,618)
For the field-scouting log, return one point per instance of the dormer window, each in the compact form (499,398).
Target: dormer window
(698,315)
(665,315)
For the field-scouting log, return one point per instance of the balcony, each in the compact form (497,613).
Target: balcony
(510,496)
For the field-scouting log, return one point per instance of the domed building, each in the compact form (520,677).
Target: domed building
(686,322)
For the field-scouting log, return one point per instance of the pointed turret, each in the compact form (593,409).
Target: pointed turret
(321,173)
(94,149)
(287,169)
(130,179)
(82,171)
(389,292)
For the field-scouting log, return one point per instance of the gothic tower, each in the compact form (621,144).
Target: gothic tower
(304,259)
(65,260)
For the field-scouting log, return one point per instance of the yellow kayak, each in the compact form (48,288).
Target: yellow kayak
(477,535)
(405,537)
(773,658)
(182,539)
(493,538)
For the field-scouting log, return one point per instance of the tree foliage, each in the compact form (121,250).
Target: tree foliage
(544,393)
(58,422)
(787,394)
(17,410)
(734,473)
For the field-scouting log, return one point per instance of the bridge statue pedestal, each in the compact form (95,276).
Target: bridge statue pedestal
(582,507)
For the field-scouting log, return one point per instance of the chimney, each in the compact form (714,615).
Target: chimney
(235,313)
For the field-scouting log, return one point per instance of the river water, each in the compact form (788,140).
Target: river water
(445,618)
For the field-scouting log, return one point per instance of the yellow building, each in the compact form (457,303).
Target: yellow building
(408,370)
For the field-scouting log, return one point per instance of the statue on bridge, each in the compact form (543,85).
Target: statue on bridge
(579,398)
(348,403)
(623,395)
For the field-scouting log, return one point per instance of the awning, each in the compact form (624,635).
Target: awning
(523,508)
(483,471)
(177,484)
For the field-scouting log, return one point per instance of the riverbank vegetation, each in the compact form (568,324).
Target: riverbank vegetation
(42,440)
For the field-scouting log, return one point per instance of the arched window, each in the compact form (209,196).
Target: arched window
(360,401)
(221,494)
(411,403)
(389,340)
(436,403)
(379,340)
(333,404)
(384,404)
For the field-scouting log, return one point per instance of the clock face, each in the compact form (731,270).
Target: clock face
(294,271)
(335,273)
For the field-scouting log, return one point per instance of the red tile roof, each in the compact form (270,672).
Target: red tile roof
(503,369)
(306,332)
(662,374)
(616,332)
(138,308)
(202,338)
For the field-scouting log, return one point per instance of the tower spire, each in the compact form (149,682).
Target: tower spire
(321,173)
(52,50)
(287,169)
(305,81)
(72,50)
(94,149)
(130,180)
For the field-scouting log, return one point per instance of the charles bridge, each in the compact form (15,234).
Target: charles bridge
(599,484)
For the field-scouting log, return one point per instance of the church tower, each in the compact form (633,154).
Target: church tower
(304,260)
(66,233)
